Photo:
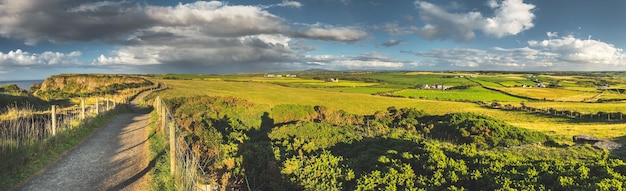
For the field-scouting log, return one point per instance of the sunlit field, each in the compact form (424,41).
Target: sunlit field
(554,94)
(357,101)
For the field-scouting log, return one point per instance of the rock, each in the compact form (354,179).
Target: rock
(608,145)
(596,142)
(583,139)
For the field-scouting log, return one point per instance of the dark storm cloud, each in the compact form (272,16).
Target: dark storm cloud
(58,21)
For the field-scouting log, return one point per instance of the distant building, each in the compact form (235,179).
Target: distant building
(540,85)
(432,87)
(270,75)
(603,87)
(332,80)
(291,76)
(436,86)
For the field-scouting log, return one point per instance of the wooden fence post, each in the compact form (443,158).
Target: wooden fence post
(163,119)
(97,106)
(82,106)
(157,105)
(172,148)
(54,120)
(108,108)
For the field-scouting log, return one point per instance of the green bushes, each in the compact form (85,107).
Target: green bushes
(468,128)
(290,113)
(299,147)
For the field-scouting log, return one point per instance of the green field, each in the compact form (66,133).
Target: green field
(554,94)
(471,94)
(412,79)
(362,103)
(275,131)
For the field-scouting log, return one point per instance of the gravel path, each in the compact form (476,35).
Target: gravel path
(114,158)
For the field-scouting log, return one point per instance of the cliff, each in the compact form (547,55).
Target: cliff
(78,85)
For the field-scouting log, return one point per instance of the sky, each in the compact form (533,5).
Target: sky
(42,38)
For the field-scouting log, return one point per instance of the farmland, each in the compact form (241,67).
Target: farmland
(367,130)
(383,130)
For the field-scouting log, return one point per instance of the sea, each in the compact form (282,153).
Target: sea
(24,84)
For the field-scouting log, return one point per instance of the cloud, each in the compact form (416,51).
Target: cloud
(394,28)
(366,61)
(50,20)
(217,19)
(287,3)
(71,20)
(203,36)
(392,42)
(197,49)
(19,58)
(510,18)
(552,34)
(565,54)
(331,33)
(571,49)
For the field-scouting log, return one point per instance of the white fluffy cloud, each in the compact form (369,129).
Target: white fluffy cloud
(218,19)
(363,62)
(571,49)
(510,18)
(565,53)
(19,58)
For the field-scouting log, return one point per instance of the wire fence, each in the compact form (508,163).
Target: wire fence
(24,133)
(187,169)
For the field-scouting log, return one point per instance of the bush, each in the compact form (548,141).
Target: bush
(469,128)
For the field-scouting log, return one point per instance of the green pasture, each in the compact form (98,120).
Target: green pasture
(503,81)
(472,93)
(413,80)
(361,103)
(554,94)
(361,90)
(577,106)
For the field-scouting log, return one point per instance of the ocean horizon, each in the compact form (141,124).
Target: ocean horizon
(24,84)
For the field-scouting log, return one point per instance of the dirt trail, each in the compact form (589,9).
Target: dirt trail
(114,158)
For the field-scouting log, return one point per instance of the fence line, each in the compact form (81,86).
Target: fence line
(24,132)
(187,169)
(23,136)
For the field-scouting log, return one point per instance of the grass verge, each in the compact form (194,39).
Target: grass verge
(34,159)
(161,178)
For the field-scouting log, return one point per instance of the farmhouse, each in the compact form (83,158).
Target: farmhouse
(332,80)
(540,85)
(432,87)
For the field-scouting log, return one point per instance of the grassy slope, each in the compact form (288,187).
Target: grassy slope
(473,93)
(550,93)
(272,95)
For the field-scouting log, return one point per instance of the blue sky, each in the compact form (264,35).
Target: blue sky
(42,38)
